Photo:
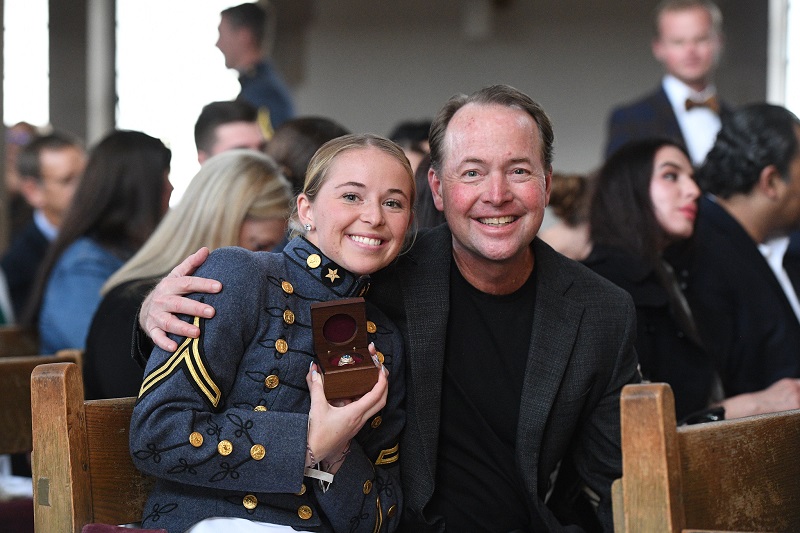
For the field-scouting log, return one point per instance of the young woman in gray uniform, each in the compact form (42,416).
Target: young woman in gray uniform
(235,424)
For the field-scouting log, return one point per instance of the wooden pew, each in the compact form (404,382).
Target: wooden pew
(15,397)
(733,475)
(16,341)
(82,470)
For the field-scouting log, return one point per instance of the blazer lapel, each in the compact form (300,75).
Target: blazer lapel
(555,327)
(426,281)
(665,115)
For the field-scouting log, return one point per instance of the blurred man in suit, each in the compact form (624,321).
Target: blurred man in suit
(685,107)
(739,287)
(242,40)
(50,168)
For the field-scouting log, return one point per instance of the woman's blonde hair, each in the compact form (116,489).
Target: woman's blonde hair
(229,188)
(321,163)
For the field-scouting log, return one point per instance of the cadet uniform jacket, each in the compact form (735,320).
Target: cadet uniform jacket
(222,421)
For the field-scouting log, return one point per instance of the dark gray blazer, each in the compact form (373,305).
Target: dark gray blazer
(581,355)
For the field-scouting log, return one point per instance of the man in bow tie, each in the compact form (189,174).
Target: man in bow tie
(687,42)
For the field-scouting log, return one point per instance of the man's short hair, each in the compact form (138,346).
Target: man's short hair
(29,160)
(250,16)
(216,114)
(682,5)
(493,95)
(751,139)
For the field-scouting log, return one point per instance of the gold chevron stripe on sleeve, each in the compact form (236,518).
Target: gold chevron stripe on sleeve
(188,353)
(389,456)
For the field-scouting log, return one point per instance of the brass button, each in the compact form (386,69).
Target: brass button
(257,452)
(379,355)
(259,408)
(376,422)
(282,346)
(250,502)
(371,327)
(287,287)
(302,489)
(224,447)
(313,261)
(288,317)
(196,439)
(272,381)
(304,512)
(367,486)
(392,511)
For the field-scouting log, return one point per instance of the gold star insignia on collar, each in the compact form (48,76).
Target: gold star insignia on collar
(333,274)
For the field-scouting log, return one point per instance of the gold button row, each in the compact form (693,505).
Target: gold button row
(257,452)
(250,502)
(371,327)
(272,381)
(287,287)
(225,447)
(376,422)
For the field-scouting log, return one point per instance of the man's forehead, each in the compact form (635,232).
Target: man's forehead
(477,131)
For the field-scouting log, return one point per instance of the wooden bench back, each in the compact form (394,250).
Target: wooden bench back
(733,475)
(15,397)
(16,341)
(82,469)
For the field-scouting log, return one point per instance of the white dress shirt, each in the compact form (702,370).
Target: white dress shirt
(698,126)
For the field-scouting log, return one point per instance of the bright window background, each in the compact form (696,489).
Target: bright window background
(26,91)
(793,57)
(167,69)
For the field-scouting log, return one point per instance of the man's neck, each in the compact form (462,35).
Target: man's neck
(494,277)
(746,212)
(698,86)
(248,61)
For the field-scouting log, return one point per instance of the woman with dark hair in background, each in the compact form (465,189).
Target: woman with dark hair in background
(238,198)
(645,200)
(122,196)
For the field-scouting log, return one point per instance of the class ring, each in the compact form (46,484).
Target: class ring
(346,359)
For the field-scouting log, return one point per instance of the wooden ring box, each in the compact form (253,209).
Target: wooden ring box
(339,328)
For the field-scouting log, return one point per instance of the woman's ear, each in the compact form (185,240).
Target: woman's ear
(305,210)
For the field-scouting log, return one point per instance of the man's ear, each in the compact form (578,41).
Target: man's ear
(31,189)
(770,182)
(435,185)
(548,185)
(202,155)
(657,48)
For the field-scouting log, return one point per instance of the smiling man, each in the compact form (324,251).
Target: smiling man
(687,43)
(516,354)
